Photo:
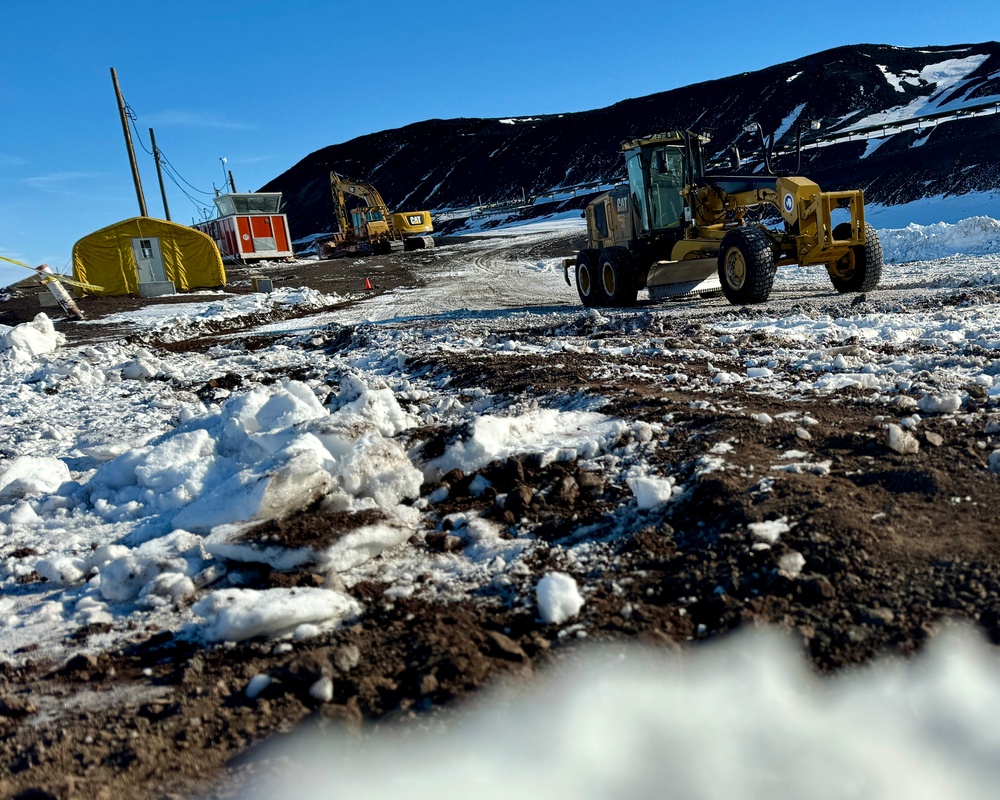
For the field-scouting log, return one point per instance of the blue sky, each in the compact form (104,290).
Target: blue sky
(263,83)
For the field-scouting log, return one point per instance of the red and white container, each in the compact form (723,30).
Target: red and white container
(249,227)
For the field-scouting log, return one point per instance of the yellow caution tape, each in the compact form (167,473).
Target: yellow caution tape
(93,287)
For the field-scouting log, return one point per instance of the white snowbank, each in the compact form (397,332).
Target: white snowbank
(971,236)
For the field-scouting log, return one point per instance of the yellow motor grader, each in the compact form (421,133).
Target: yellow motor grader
(675,230)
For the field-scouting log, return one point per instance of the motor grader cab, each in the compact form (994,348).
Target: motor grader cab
(676,230)
(365,224)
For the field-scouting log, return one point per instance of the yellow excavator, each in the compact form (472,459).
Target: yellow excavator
(368,227)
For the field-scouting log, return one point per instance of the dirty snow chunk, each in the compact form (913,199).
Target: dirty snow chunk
(940,403)
(28,475)
(994,461)
(791,563)
(769,532)
(322,689)
(233,542)
(492,438)
(763,419)
(22,343)
(233,615)
(558,598)
(726,378)
(803,434)
(801,455)
(820,468)
(759,372)
(902,441)
(650,491)
(258,683)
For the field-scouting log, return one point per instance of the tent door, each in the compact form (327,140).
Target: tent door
(149,260)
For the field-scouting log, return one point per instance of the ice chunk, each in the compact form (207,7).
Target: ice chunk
(259,494)
(650,491)
(940,403)
(491,438)
(233,615)
(770,531)
(902,441)
(361,545)
(558,598)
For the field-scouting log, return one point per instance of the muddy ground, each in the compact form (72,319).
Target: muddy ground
(892,546)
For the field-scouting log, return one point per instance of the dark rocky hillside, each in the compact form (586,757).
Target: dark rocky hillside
(439,164)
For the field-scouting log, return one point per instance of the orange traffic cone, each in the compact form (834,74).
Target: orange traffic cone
(368,284)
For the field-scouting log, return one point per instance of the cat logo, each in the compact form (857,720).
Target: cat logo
(621,204)
(415,219)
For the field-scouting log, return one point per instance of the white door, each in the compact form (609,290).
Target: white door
(148,260)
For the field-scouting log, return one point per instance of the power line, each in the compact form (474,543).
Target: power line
(172,172)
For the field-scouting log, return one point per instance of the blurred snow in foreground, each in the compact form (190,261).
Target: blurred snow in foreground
(744,718)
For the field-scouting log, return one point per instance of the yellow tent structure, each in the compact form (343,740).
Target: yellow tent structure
(147,251)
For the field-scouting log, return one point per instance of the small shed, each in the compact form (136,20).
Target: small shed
(249,226)
(144,251)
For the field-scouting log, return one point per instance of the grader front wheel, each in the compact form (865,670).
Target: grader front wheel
(860,269)
(746,266)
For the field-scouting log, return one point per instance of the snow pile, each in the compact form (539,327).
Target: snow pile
(263,454)
(744,718)
(23,343)
(971,236)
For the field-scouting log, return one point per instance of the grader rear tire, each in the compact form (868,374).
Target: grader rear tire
(861,269)
(746,266)
(618,277)
(587,284)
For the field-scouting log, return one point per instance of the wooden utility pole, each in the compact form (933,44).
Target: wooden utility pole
(128,144)
(159,173)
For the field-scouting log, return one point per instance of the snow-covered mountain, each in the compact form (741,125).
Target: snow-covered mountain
(862,94)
